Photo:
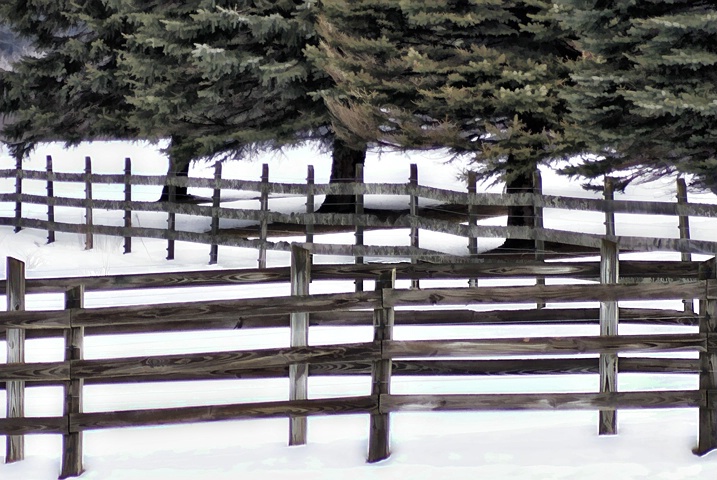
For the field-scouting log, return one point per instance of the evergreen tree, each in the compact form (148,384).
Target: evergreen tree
(476,76)
(645,92)
(68,92)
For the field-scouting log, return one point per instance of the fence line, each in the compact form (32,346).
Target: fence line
(382,357)
(414,218)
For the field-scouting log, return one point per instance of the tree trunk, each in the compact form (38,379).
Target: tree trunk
(180,156)
(519,216)
(181,192)
(343,170)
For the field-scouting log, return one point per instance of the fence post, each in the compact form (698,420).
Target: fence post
(609,274)
(309,203)
(538,227)
(216,195)
(18,195)
(74,340)
(15,390)
(50,196)
(472,220)
(299,373)
(171,215)
(707,439)
(609,196)
(413,206)
(263,210)
(379,430)
(89,223)
(128,207)
(359,229)
(684,225)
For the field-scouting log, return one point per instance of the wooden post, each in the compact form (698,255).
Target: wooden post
(538,227)
(15,393)
(379,431)
(310,203)
(171,215)
(264,210)
(299,325)
(88,205)
(127,207)
(684,225)
(472,220)
(707,440)
(609,274)
(359,229)
(74,339)
(18,194)
(50,196)
(413,206)
(216,196)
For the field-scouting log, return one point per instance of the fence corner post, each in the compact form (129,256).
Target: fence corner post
(74,343)
(299,326)
(15,393)
(609,317)
(707,439)
(379,447)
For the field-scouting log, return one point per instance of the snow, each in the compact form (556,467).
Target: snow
(654,444)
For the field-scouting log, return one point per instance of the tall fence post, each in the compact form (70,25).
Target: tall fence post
(18,195)
(74,340)
(684,225)
(413,207)
(707,438)
(609,196)
(216,197)
(127,205)
(538,227)
(359,229)
(15,390)
(88,204)
(472,220)
(50,201)
(379,430)
(171,215)
(264,211)
(299,325)
(609,274)
(309,204)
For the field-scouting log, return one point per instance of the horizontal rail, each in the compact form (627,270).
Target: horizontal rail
(56,373)
(543,401)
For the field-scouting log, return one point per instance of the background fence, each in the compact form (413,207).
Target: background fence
(458,213)
(383,357)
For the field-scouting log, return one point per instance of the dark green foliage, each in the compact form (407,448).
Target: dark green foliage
(645,94)
(476,76)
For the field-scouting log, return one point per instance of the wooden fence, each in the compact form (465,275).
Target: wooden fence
(383,357)
(463,221)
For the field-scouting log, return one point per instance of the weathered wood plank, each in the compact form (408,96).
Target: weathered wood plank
(214,413)
(34,425)
(379,447)
(35,372)
(609,316)
(299,330)
(707,438)
(128,202)
(214,229)
(542,401)
(74,342)
(221,363)
(666,270)
(545,345)
(15,339)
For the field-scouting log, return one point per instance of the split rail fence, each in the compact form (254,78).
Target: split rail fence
(416,218)
(383,357)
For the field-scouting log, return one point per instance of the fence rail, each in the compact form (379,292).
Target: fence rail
(383,357)
(463,221)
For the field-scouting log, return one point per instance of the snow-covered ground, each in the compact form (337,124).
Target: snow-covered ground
(654,444)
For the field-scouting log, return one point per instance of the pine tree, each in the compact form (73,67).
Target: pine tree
(69,91)
(476,76)
(645,94)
